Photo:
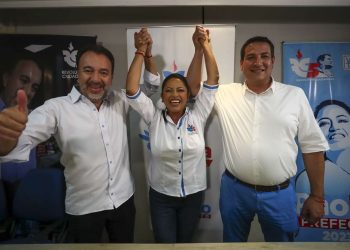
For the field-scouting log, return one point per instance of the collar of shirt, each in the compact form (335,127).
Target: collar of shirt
(179,123)
(272,88)
(75,95)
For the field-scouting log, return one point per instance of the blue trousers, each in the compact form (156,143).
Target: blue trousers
(276,211)
(174,219)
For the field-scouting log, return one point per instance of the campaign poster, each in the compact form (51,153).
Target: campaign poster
(49,61)
(322,70)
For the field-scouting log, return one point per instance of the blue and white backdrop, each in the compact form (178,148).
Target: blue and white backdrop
(322,70)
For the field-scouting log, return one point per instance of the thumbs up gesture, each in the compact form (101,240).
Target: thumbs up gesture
(12,123)
(22,101)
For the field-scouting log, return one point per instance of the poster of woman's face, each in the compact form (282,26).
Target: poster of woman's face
(334,121)
(333,117)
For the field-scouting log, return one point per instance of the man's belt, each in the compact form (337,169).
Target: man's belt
(260,188)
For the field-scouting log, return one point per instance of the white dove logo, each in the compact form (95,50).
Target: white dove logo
(70,55)
(300,67)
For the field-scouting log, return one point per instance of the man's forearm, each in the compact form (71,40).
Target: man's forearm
(150,64)
(314,165)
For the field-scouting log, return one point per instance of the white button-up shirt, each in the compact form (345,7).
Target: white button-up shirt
(94,148)
(259,131)
(178,164)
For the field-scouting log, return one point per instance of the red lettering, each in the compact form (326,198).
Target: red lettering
(208,156)
(334,223)
(209,162)
(312,71)
(343,224)
(327,223)
(207,152)
(324,223)
(205,216)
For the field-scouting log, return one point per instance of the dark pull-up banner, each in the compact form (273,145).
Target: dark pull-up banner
(45,67)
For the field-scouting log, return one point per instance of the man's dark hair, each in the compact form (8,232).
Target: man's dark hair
(322,57)
(98,49)
(11,60)
(259,39)
(331,102)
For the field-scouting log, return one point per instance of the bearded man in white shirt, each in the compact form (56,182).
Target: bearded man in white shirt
(260,121)
(89,125)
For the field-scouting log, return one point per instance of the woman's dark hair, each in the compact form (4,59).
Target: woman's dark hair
(176,76)
(326,103)
(331,102)
(98,49)
(259,39)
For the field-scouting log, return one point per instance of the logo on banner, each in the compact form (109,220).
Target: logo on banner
(145,137)
(205,212)
(306,68)
(70,57)
(346,62)
(208,155)
(174,70)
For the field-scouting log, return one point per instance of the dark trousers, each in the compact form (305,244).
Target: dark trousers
(10,191)
(174,219)
(118,222)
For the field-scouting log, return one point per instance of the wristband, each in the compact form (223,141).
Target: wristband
(317,198)
(140,52)
(148,56)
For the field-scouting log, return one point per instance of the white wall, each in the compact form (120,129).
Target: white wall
(113,36)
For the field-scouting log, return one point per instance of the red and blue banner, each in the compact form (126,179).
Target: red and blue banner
(322,70)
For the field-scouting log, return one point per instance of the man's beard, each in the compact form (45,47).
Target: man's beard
(94,98)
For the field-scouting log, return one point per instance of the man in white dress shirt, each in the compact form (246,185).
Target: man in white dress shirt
(260,122)
(89,125)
